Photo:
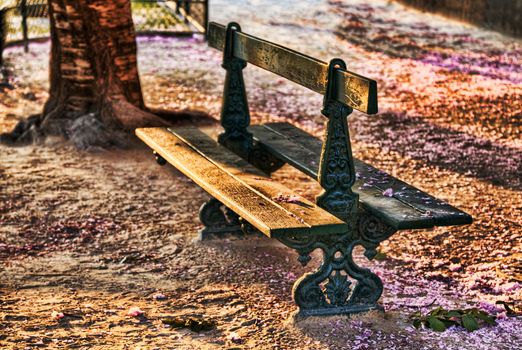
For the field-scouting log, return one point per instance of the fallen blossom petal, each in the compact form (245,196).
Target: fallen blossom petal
(291,276)
(235,338)
(135,312)
(57,315)
(455,267)
(490,308)
(388,192)
(159,296)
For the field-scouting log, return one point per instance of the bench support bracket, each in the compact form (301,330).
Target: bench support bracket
(336,167)
(339,285)
(235,116)
(218,220)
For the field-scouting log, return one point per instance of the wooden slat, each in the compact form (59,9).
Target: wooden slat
(443,214)
(354,90)
(408,208)
(319,220)
(258,209)
(219,184)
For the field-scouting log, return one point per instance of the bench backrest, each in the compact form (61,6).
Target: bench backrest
(353,89)
(343,91)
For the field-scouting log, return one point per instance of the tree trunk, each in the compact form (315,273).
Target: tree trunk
(94,82)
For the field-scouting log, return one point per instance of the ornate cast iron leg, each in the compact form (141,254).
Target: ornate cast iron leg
(218,220)
(372,232)
(235,116)
(339,285)
(336,167)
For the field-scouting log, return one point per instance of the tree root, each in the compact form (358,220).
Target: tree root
(25,132)
(95,130)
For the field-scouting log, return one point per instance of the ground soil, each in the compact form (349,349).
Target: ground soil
(92,234)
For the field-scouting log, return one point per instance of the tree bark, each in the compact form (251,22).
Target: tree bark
(94,82)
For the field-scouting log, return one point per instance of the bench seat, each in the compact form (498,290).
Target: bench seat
(406,208)
(269,206)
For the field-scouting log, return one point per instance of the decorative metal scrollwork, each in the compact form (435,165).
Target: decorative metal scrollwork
(337,289)
(336,168)
(218,219)
(338,285)
(372,231)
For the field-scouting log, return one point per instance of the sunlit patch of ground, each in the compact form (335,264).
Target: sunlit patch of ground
(91,235)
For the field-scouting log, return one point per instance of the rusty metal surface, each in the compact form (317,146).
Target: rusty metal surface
(353,90)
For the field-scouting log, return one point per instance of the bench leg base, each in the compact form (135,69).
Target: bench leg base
(346,310)
(218,220)
(339,285)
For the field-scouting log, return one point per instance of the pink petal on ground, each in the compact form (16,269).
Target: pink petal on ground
(291,276)
(490,308)
(57,315)
(159,296)
(135,312)
(388,192)
(455,267)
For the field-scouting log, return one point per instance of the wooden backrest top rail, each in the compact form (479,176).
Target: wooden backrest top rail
(353,89)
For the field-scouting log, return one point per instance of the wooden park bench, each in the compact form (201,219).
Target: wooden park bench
(359,205)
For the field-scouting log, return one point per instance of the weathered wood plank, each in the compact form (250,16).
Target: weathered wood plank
(279,140)
(306,159)
(354,90)
(224,187)
(443,214)
(259,210)
(319,220)
(408,207)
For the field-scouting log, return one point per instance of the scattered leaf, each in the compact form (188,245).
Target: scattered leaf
(194,324)
(434,323)
(380,256)
(439,319)
(469,322)
(235,338)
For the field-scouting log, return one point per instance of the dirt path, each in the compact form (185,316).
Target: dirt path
(91,235)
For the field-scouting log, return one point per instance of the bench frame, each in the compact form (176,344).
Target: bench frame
(349,211)
(339,285)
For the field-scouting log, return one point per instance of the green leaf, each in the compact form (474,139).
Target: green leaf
(454,313)
(436,324)
(486,318)
(449,323)
(417,323)
(469,322)
(437,311)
